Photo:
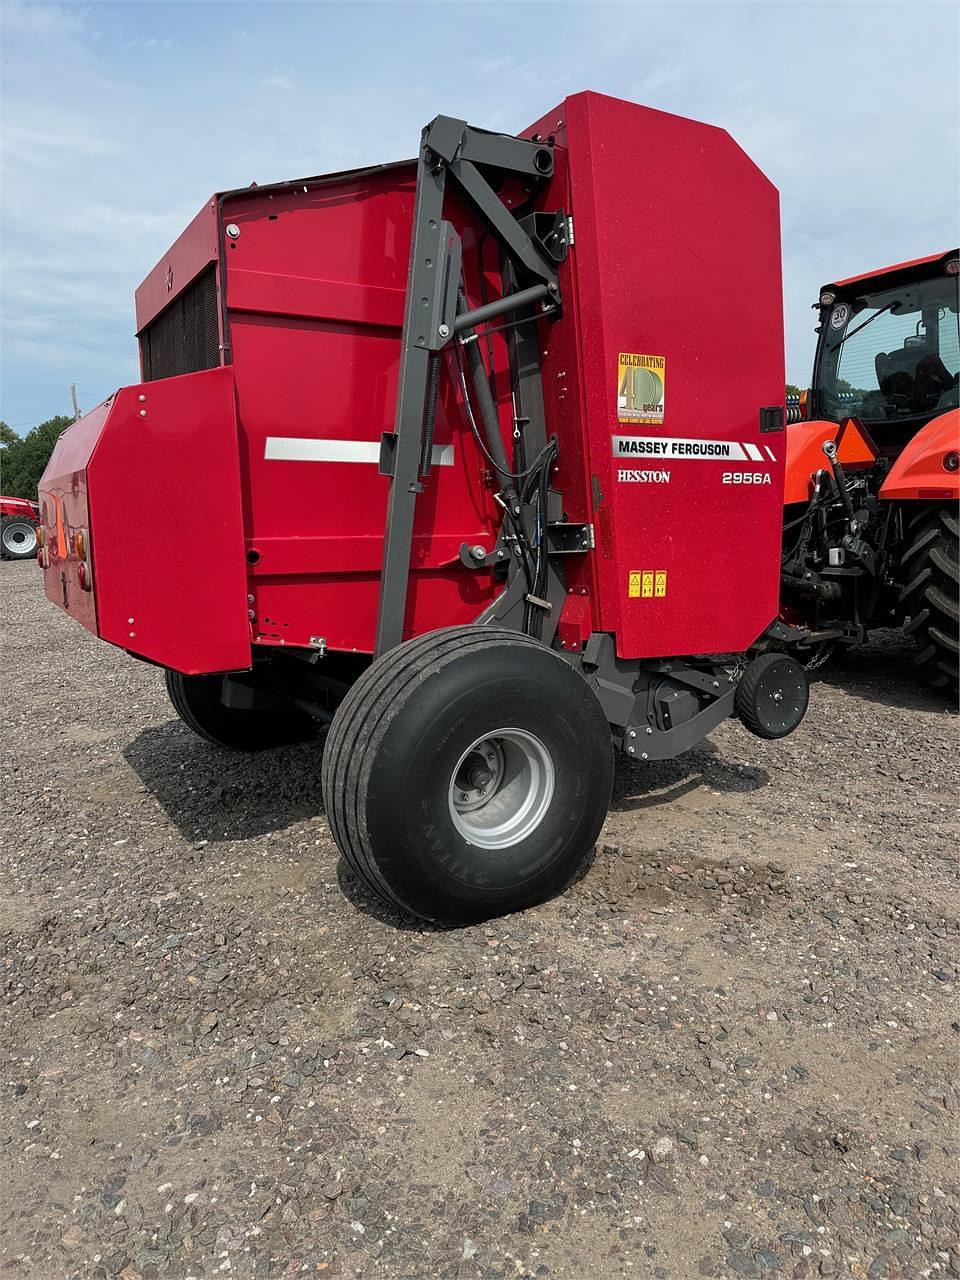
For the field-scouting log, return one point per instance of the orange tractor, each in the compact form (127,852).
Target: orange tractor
(873,468)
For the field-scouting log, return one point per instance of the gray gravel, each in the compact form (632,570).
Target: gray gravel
(728,1050)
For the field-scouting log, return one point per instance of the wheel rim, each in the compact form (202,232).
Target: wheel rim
(21,539)
(501,788)
(780,696)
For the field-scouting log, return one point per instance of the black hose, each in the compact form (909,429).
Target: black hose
(487,408)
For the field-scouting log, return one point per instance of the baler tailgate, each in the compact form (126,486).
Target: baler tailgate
(160,469)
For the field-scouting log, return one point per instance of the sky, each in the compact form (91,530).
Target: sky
(118,120)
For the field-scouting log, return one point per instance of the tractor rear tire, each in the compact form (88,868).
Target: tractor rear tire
(930,599)
(18,538)
(196,700)
(467,773)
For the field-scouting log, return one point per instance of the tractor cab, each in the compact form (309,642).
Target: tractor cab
(888,351)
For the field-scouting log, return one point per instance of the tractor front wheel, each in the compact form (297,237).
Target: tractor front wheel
(197,701)
(930,599)
(467,773)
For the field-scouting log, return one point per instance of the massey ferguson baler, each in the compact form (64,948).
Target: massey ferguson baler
(483,458)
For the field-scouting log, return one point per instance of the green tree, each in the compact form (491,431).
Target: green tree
(792,390)
(23,458)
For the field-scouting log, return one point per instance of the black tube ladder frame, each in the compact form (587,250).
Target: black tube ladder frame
(451,148)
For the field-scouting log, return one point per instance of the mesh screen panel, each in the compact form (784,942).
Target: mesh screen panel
(184,337)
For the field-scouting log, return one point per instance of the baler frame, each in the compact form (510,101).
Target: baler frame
(452,149)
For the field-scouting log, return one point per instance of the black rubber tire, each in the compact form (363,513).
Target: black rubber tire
(773,695)
(930,598)
(196,700)
(10,528)
(398,735)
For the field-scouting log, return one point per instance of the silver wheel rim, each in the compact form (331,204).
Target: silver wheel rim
(501,788)
(21,539)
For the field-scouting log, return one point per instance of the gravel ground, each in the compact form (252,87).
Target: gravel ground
(728,1050)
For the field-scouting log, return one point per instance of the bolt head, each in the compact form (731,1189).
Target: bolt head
(232,230)
(443,330)
(631,750)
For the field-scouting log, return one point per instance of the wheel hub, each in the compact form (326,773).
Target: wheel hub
(501,788)
(19,539)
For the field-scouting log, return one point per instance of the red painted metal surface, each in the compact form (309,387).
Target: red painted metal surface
(677,255)
(153,477)
(273,462)
(18,507)
(194,249)
(919,472)
(886,271)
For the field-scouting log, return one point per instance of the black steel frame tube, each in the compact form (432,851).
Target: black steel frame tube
(501,306)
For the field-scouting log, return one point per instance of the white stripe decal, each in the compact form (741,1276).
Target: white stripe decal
(753,453)
(770,454)
(310,449)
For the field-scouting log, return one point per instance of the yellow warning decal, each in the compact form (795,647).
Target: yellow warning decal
(647,584)
(641,388)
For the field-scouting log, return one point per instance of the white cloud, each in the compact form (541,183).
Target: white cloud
(119,120)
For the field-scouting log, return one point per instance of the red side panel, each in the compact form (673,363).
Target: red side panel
(194,249)
(919,472)
(65,512)
(153,476)
(315,289)
(676,267)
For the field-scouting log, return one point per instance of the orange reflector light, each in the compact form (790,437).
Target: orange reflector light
(39,535)
(803,405)
(79,544)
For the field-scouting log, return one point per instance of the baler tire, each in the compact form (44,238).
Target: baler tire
(18,538)
(407,727)
(930,598)
(752,701)
(196,700)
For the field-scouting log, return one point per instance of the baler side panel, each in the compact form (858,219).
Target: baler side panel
(315,294)
(194,249)
(164,494)
(65,512)
(688,547)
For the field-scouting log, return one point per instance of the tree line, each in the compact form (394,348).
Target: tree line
(23,458)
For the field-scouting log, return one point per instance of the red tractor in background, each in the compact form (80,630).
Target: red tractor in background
(873,468)
(19,518)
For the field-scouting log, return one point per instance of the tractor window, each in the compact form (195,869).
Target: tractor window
(891,355)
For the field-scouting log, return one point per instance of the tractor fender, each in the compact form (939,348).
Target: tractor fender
(921,470)
(805,456)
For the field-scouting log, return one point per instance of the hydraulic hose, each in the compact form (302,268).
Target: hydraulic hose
(486,407)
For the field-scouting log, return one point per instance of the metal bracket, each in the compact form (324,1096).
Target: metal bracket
(565,539)
(549,232)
